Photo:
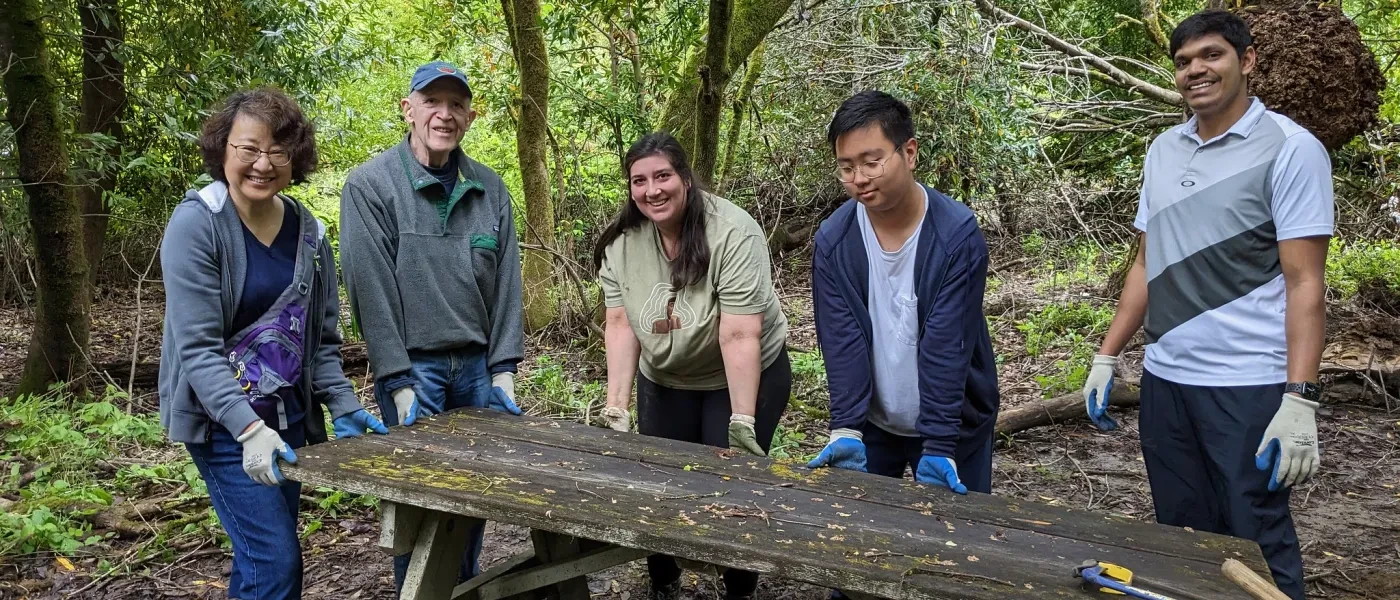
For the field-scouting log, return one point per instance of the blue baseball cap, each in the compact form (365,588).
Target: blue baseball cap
(435,70)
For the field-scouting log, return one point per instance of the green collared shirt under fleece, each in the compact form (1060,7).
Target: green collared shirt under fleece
(426,271)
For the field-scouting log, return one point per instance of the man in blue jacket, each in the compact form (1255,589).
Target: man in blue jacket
(897,284)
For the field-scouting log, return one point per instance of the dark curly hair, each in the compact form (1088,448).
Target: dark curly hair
(290,129)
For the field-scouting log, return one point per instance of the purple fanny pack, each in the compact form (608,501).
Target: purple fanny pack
(268,361)
(269,355)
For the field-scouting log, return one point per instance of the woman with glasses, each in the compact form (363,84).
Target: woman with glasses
(251,349)
(692,316)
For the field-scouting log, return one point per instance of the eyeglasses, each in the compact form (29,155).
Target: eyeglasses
(250,154)
(874,169)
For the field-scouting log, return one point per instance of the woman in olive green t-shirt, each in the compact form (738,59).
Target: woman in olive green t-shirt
(690,303)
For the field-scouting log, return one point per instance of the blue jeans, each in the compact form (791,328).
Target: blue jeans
(261,521)
(444,381)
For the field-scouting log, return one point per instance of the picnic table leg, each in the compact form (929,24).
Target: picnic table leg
(398,527)
(552,548)
(437,556)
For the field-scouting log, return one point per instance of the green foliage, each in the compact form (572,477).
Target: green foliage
(1058,325)
(1069,330)
(785,442)
(1361,265)
(61,439)
(547,383)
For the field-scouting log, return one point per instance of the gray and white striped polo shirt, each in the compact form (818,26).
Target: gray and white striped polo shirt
(1214,212)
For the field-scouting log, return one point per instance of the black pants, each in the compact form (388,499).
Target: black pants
(1198,444)
(703,417)
(888,454)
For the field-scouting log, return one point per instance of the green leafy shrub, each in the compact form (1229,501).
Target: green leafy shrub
(1370,270)
(1053,325)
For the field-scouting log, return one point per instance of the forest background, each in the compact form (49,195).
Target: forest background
(1036,114)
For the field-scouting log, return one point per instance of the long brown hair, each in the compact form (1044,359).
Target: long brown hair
(693,260)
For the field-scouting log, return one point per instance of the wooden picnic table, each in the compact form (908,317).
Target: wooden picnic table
(596,498)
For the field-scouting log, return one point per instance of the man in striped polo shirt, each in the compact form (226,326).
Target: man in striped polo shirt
(1236,213)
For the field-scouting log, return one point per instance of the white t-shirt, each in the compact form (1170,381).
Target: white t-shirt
(894,319)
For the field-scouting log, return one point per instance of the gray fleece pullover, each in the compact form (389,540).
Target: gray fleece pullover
(430,272)
(203,263)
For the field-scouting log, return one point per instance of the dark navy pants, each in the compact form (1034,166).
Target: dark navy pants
(444,381)
(261,521)
(888,454)
(1199,443)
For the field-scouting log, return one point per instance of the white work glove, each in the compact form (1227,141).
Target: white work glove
(618,419)
(1289,446)
(503,393)
(1096,388)
(261,448)
(406,405)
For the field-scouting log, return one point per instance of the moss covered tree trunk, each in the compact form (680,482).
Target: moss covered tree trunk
(750,21)
(741,101)
(59,343)
(709,106)
(104,99)
(532,139)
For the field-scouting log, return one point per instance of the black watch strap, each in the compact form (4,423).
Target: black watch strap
(1309,390)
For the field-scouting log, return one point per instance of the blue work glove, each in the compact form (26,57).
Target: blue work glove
(1096,389)
(261,449)
(939,470)
(406,406)
(502,393)
(354,425)
(844,450)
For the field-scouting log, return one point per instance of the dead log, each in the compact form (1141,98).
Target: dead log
(1068,407)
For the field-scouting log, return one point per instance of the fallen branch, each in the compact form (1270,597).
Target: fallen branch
(1068,407)
(1118,76)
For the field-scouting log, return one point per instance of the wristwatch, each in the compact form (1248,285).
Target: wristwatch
(1309,390)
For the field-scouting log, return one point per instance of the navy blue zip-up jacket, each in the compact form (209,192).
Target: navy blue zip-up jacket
(958,395)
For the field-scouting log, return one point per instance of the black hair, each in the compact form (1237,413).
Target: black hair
(1227,24)
(868,107)
(693,260)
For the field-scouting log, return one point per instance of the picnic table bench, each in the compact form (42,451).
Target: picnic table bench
(595,499)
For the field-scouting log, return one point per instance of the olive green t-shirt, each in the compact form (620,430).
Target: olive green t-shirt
(679,334)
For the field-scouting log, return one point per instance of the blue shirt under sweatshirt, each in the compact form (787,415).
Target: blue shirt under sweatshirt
(446,175)
(270,272)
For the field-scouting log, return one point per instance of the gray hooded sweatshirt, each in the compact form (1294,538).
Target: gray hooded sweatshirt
(203,263)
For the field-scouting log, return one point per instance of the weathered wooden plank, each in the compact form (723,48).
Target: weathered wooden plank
(398,527)
(575,568)
(432,572)
(467,589)
(554,550)
(1008,513)
(893,552)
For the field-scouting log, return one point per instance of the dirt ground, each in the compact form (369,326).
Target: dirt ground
(1348,518)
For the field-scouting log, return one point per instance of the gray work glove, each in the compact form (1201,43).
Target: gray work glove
(618,419)
(261,449)
(406,405)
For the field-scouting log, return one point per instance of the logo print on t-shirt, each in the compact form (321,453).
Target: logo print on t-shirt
(665,311)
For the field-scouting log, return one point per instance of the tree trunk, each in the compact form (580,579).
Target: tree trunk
(750,21)
(104,99)
(710,106)
(58,347)
(736,124)
(531,140)
(1062,408)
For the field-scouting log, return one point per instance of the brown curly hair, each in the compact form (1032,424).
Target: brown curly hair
(290,129)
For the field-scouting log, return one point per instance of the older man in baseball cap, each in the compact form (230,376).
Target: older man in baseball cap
(432,267)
